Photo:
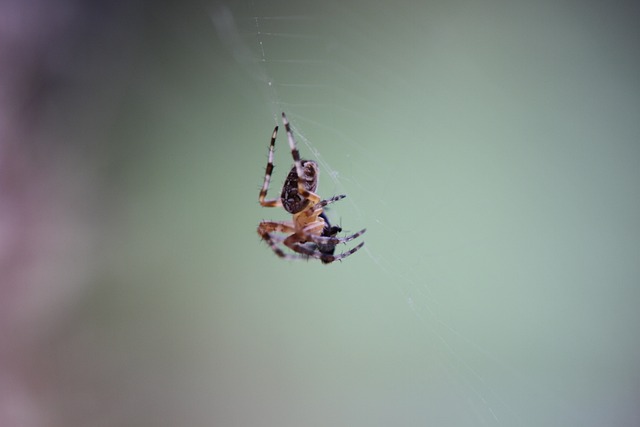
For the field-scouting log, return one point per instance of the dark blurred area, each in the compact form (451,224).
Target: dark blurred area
(92,327)
(64,66)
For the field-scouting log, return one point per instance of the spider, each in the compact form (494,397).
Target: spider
(309,234)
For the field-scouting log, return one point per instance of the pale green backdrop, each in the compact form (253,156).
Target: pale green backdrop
(491,149)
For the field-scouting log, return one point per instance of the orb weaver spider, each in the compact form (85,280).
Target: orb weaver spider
(309,234)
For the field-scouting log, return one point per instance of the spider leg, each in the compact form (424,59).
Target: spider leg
(327,259)
(316,209)
(266,230)
(275,227)
(333,240)
(292,145)
(298,163)
(293,242)
(321,204)
(267,176)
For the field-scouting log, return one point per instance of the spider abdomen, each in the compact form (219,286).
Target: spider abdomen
(292,201)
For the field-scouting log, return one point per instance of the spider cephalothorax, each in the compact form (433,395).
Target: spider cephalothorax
(309,234)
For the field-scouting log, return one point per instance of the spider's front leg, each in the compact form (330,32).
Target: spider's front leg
(306,171)
(314,209)
(267,176)
(322,203)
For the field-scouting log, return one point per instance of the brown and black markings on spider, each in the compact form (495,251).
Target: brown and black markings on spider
(292,201)
(309,234)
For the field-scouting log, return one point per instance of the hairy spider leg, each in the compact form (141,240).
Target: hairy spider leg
(314,198)
(273,203)
(327,259)
(292,242)
(265,230)
(332,239)
(312,220)
(321,204)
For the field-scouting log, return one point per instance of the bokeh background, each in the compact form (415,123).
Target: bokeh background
(491,148)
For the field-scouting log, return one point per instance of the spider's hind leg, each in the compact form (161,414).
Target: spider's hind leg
(328,241)
(330,232)
(332,239)
(327,259)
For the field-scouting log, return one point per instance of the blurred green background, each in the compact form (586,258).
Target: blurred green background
(491,149)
